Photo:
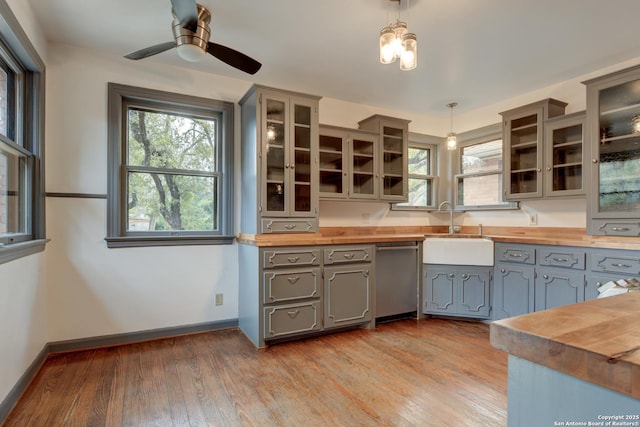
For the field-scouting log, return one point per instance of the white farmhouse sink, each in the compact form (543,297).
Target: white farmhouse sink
(458,251)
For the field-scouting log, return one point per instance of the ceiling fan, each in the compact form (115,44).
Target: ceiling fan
(191,37)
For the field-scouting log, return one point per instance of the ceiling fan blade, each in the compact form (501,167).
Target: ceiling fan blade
(187,13)
(234,58)
(150,51)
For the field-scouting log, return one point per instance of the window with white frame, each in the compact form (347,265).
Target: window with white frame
(21,142)
(478,178)
(422,168)
(170,169)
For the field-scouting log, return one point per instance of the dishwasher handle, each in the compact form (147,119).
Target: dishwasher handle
(396,248)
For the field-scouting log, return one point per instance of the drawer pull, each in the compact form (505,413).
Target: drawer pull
(617,264)
(293,314)
(293,279)
(348,256)
(293,259)
(561,259)
(515,255)
(290,226)
(502,270)
(620,228)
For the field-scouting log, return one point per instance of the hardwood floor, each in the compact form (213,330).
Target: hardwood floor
(431,372)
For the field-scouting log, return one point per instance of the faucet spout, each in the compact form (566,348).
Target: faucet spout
(450,205)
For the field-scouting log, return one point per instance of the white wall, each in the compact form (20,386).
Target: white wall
(23,307)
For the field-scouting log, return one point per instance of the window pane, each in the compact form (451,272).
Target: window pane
(165,202)
(12,168)
(420,191)
(419,161)
(483,157)
(171,141)
(480,190)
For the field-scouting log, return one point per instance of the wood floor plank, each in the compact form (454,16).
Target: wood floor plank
(429,372)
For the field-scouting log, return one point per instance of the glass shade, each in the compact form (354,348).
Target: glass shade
(409,55)
(399,29)
(387,48)
(452,141)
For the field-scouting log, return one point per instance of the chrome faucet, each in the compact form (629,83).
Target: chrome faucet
(448,203)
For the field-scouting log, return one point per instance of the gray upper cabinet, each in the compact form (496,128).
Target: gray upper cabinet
(348,164)
(279,159)
(523,134)
(392,156)
(613,132)
(564,155)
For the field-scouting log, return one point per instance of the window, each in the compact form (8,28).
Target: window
(170,166)
(422,161)
(21,145)
(478,176)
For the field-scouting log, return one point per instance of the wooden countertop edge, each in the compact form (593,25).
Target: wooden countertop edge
(555,236)
(614,369)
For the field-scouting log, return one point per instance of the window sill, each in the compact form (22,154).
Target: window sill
(137,241)
(18,250)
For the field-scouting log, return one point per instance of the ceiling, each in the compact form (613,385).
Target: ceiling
(475,52)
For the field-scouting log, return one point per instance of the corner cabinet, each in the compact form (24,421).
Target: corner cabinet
(462,291)
(523,138)
(392,156)
(348,164)
(613,129)
(279,161)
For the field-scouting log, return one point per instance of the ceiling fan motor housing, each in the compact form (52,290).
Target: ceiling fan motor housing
(200,37)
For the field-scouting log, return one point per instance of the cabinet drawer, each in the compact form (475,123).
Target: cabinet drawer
(282,257)
(289,225)
(519,254)
(615,264)
(605,227)
(340,255)
(562,258)
(292,284)
(292,319)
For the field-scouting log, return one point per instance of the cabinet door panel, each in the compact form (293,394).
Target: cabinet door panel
(275,156)
(555,288)
(347,295)
(474,298)
(513,290)
(439,291)
(292,319)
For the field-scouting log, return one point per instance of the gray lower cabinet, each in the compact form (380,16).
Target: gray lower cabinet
(462,291)
(513,290)
(555,287)
(288,292)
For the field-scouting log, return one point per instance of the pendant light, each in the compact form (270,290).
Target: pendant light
(452,140)
(396,42)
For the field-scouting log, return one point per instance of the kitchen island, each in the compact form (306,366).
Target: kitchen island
(574,365)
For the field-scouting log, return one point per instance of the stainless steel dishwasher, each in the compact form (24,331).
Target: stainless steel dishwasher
(397,276)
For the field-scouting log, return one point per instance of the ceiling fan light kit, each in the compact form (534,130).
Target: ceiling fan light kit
(396,42)
(191,34)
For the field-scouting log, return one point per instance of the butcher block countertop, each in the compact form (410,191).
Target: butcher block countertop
(353,235)
(597,341)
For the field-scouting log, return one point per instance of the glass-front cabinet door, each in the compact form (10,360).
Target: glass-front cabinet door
(564,160)
(613,111)
(394,162)
(289,147)
(276,112)
(364,170)
(523,136)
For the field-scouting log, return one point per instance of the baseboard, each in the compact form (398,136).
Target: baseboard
(12,398)
(7,404)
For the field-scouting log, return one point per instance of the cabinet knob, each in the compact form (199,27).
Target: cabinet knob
(293,166)
(465,276)
(545,276)
(502,270)
(287,166)
(594,161)
(451,275)
(539,170)
(549,169)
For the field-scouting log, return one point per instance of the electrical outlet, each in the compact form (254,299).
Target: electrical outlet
(533,219)
(219,299)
